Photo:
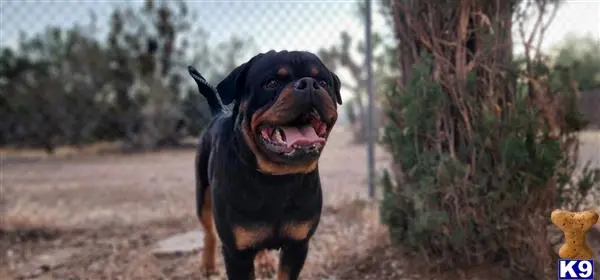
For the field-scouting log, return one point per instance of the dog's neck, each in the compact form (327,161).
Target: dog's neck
(239,145)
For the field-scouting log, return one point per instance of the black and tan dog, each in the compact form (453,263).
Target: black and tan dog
(256,166)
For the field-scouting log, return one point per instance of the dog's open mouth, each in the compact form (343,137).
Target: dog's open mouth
(306,134)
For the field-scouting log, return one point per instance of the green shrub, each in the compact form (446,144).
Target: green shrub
(465,197)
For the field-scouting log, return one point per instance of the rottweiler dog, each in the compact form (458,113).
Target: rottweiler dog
(257,180)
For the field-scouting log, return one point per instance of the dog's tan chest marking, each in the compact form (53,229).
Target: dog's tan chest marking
(297,230)
(246,237)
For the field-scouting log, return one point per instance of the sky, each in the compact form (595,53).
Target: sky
(305,25)
(577,17)
(293,24)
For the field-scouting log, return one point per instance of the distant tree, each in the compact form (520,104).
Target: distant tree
(350,54)
(19,108)
(64,86)
(153,46)
(581,54)
(144,45)
(51,89)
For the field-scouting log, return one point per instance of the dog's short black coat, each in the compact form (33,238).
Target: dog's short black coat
(262,192)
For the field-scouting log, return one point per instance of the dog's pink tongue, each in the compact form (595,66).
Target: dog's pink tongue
(303,136)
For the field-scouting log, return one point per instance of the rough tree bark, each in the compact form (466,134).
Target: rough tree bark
(471,38)
(470,48)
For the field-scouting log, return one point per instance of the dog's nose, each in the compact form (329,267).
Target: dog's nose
(306,85)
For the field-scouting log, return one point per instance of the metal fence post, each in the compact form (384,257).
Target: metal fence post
(369,84)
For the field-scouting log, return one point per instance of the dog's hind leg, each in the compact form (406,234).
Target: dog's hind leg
(204,210)
(291,260)
(209,266)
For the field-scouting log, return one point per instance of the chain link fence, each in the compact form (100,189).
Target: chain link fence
(80,71)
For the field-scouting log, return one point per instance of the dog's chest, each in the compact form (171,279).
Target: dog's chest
(271,214)
(273,203)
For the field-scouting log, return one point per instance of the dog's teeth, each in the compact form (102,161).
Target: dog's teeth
(277,135)
(283,137)
(316,114)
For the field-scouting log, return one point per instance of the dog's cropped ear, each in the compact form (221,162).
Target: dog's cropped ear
(231,88)
(337,87)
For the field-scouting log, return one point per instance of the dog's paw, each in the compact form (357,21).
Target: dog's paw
(208,268)
(208,272)
(266,264)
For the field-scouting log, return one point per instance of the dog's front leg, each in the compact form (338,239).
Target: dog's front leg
(239,264)
(292,260)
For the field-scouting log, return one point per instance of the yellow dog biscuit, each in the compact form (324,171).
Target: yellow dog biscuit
(575,226)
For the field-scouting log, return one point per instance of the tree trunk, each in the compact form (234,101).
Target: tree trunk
(467,48)
(470,41)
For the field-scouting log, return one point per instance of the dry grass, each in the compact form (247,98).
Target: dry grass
(112,208)
(109,210)
(382,261)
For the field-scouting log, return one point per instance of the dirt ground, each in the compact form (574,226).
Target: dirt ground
(98,216)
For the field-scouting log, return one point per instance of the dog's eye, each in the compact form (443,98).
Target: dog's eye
(323,83)
(271,84)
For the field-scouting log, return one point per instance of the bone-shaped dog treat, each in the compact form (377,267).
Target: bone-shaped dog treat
(575,226)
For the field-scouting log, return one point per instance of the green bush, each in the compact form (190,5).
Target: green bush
(479,197)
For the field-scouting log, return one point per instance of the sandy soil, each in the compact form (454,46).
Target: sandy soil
(98,217)
(107,212)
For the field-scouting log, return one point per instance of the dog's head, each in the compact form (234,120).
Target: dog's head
(286,105)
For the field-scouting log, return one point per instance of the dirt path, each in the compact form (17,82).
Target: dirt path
(102,214)
(98,217)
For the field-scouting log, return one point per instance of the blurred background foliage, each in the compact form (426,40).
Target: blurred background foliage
(71,86)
